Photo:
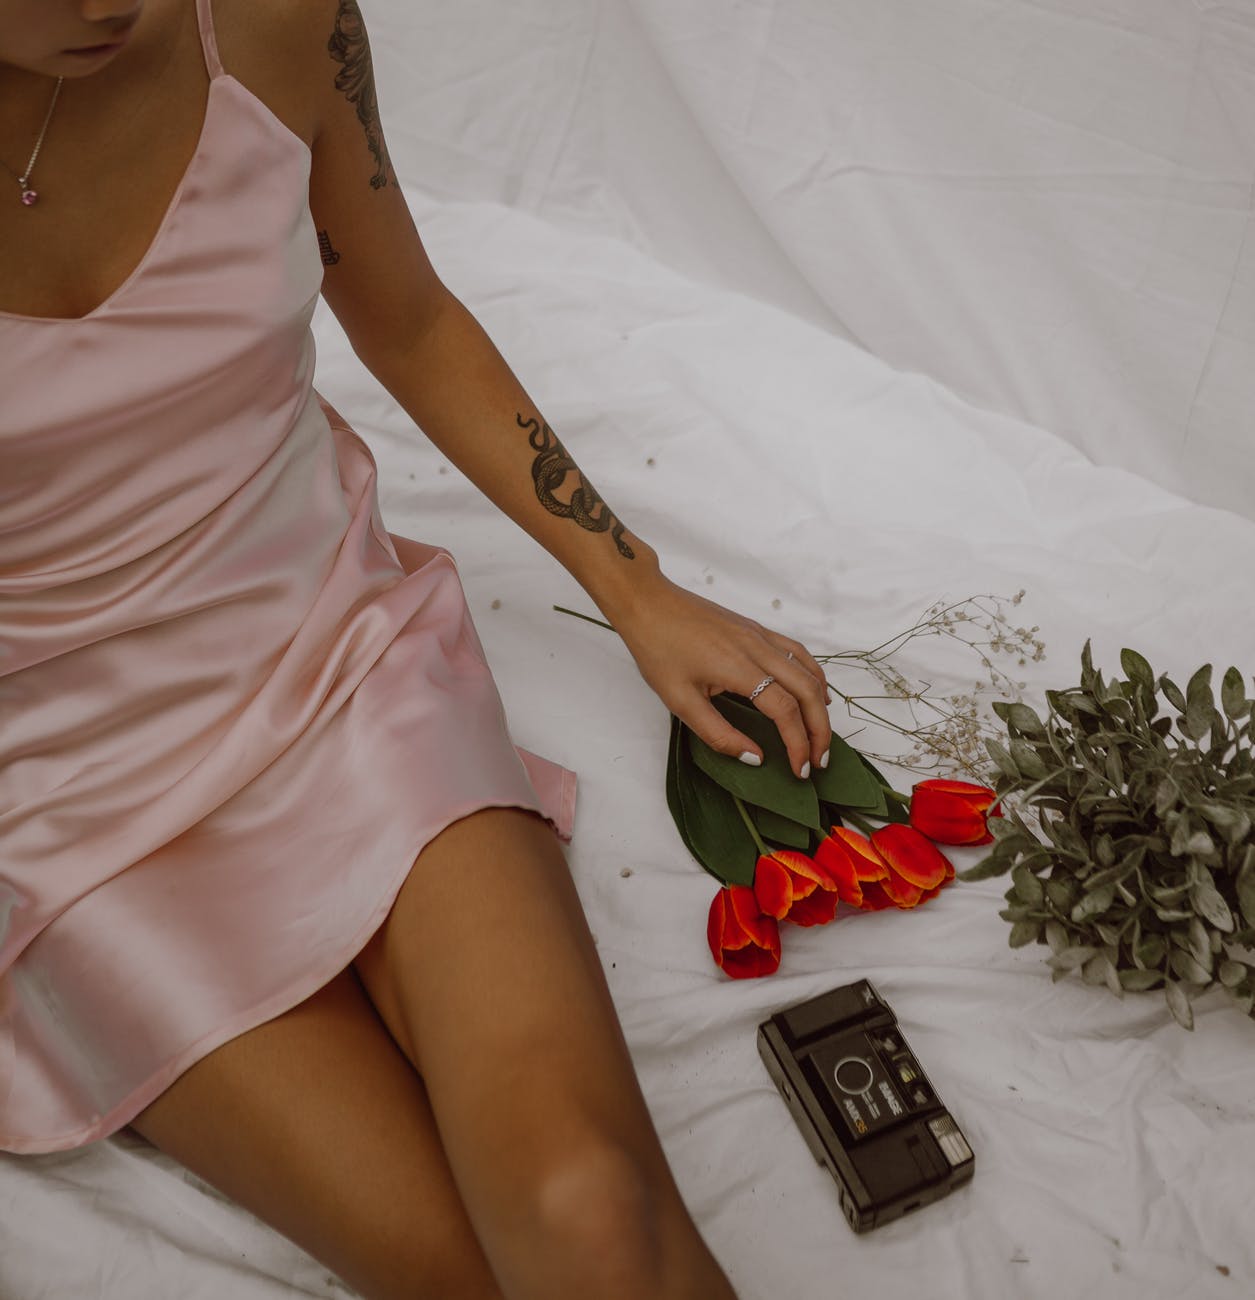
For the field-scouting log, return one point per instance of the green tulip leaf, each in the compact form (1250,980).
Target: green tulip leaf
(772,785)
(708,820)
(780,830)
(848,781)
(674,745)
(894,810)
(888,806)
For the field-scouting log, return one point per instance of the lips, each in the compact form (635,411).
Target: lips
(118,38)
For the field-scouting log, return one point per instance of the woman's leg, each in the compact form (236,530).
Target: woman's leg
(316,1123)
(488,978)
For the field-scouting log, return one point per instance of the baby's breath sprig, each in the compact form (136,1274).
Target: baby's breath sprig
(948,733)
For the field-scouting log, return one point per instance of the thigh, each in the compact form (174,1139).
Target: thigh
(488,977)
(316,1122)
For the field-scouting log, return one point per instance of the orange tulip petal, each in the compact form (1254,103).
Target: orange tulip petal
(806,874)
(773,887)
(967,789)
(817,909)
(743,942)
(750,962)
(901,892)
(868,864)
(835,859)
(932,893)
(874,897)
(714,924)
(910,854)
(758,928)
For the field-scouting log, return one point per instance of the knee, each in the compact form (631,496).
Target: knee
(604,1211)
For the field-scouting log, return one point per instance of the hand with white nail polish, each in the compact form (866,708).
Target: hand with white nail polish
(689,649)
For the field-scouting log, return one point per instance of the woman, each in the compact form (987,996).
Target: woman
(276,889)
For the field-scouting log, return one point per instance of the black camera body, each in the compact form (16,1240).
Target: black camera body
(863,1104)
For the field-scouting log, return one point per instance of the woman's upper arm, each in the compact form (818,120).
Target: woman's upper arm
(377,278)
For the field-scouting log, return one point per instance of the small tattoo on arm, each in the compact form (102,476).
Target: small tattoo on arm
(549,471)
(329,255)
(348,45)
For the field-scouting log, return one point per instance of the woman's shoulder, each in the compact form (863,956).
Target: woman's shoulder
(282,51)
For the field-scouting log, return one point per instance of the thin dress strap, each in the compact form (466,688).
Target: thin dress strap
(208,41)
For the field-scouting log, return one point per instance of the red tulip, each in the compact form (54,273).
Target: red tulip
(793,887)
(838,861)
(870,869)
(743,942)
(868,864)
(897,867)
(932,893)
(910,855)
(953,812)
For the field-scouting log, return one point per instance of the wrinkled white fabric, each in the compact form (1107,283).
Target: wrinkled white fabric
(768,460)
(1047,206)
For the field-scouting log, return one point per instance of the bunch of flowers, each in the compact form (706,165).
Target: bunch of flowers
(793,850)
(781,847)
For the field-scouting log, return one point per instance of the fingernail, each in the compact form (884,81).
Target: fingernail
(823,762)
(752,759)
(806,769)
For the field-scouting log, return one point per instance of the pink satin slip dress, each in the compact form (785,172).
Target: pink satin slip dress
(233,707)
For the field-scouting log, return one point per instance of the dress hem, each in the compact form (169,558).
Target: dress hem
(122,1114)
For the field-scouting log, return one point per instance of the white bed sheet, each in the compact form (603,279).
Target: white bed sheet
(769,459)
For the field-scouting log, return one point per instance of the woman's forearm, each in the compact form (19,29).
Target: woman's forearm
(455,385)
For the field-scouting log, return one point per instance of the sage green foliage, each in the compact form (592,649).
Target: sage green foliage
(1143,873)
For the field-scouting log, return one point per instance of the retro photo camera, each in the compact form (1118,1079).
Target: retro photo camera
(863,1104)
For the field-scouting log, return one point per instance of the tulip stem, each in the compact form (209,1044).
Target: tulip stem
(588,618)
(763,850)
(865,826)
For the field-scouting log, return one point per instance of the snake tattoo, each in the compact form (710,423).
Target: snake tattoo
(549,470)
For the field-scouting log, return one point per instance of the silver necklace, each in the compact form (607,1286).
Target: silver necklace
(29,195)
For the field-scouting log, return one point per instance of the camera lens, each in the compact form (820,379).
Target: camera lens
(853,1075)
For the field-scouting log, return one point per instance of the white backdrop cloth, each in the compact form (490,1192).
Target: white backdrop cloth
(1046,205)
(795,476)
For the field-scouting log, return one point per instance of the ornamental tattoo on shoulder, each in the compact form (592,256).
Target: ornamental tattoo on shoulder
(348,45)
(549,470)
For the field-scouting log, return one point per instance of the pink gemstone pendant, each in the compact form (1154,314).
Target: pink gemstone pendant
(29,197)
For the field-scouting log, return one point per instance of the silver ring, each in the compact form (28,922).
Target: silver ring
(760,688)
